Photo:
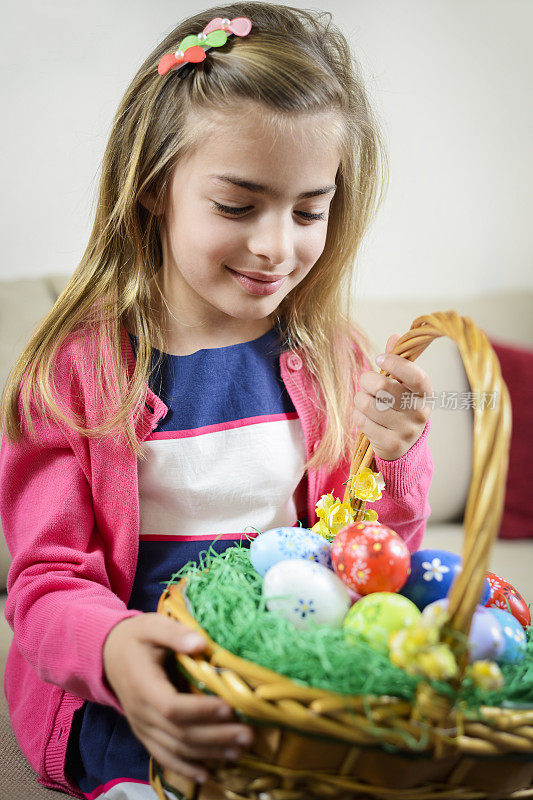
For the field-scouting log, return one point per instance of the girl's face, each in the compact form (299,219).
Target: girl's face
(246,220)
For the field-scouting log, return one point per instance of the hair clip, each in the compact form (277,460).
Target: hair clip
(192,49)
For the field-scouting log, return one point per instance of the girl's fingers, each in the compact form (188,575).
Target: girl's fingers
(379,437)
(384,417)
(165,632)
(180,749)
(202,734)
(391,341)
(388,408)
(386,391)
(194,708)
(150,688)
(408,373)
(167,759)
(224,735)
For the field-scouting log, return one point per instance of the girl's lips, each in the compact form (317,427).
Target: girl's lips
(255,286)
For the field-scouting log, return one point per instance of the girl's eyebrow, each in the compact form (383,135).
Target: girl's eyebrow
(259,187)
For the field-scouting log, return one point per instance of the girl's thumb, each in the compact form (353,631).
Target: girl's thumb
(178,636)
(192,642)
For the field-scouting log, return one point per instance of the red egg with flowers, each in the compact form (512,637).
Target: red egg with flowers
(504,595)
(369,557)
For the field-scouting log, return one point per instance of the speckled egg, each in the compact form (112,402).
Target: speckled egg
(369,557)
(431,577)
(280,544)
(301,590)
(504,595)
(375,616)
(514,637)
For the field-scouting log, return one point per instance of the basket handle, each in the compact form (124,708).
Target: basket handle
(490,453)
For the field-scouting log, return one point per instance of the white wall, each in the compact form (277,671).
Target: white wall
(452,81)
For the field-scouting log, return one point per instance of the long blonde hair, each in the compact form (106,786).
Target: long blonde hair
(293,61)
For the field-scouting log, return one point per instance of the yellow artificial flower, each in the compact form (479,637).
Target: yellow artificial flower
(418,651)
(367,485)
(486,674)
(407,642)
(339,515)
(437,662)
(324,504)
(332,516)
(321,528)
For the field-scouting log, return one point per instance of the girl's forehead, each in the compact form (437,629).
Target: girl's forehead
(251,120)
(243,135)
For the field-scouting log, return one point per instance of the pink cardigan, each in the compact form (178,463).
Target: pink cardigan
(70,513)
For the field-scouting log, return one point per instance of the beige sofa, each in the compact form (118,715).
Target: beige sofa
(506,317)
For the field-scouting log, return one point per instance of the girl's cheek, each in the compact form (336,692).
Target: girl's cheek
(316,240)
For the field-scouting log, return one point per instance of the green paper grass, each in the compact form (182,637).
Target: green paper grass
(227,602)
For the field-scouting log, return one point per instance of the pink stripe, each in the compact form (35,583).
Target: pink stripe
(156,537)
(224,426)
(100,789)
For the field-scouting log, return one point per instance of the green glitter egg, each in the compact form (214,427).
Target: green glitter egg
(375,616)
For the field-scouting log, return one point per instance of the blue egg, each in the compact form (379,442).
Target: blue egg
(514,637)
(280,544)
(432,574)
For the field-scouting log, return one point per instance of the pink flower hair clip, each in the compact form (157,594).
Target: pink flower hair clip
(192,49)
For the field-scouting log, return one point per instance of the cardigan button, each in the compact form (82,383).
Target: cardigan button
(315,446)
(294,361)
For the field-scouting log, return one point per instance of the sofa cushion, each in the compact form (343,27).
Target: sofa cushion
(517,370)
(504,315)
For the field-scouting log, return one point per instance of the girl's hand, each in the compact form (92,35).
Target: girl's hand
(393,423)
(179,730)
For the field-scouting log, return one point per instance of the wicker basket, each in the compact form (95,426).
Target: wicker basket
(311,743)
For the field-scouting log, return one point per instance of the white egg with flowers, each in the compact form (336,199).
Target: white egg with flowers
(301,590)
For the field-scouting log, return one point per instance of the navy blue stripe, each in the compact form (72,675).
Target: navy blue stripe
(160,560)
(219,385)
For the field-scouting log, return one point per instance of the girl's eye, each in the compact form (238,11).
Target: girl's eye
(237,211)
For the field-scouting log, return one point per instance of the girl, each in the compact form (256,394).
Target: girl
(199,374)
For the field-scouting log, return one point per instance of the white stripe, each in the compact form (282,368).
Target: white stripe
(222,482)
(132,791)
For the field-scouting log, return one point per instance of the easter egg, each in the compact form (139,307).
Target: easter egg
(514,637)
(504,595)
(485,637)
(375,616)
(299,590)
(280,544)
(431,577)
(369,557)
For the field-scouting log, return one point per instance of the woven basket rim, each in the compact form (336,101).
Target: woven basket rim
(215,652)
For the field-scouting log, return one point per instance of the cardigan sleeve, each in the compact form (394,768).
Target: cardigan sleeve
(60,605)
(404,506)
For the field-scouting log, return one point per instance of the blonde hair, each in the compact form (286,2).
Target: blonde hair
(293,62)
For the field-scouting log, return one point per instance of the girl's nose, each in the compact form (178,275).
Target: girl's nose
(273,238)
